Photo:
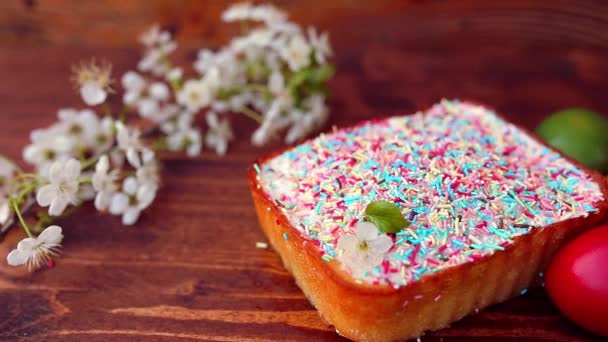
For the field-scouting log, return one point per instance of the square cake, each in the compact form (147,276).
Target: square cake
(488,205)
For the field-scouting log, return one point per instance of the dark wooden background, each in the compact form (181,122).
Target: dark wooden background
(189,269)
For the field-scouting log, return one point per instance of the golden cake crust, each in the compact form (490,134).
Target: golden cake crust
(364,312)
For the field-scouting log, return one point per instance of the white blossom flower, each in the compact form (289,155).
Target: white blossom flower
(283,97)
(154,36)
(152,62)
(77,132)
(219,133)
(268,14)
(36,251)
(129,142)
(104,183)
(159,45)
(178,119)
(204,60)
(364,250)
(93,93)
(189,139)
(260,136)
(81,126)
(62,188)
(7,171)
(195,95)
(175,74)
(5,209)
(296,53)
(316,105)
(272,60)
(237,12)
(134,85)
(301,126)
(305,122)
(48,145)
(149,173)
(94,81)
(270,125)
(147,97)
(133,198)
(320,45)
(276,82)
(149,106)
(258,38)
(103,138)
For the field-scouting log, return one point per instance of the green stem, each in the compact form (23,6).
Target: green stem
(26,190)
(87,179)
(15,182)
(21,220)
(252,114)
(257,87)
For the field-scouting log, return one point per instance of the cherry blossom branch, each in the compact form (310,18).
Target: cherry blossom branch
(274,72)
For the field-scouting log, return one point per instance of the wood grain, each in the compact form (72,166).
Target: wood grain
(189,269)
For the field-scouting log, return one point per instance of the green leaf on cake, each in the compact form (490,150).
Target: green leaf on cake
(386,216)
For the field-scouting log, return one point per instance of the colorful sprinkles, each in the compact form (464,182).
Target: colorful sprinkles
(468,182)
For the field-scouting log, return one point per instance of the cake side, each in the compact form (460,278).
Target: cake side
(364,311)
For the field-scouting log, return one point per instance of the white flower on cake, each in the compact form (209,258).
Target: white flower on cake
(134,197)
(365,250)
(104,183)
(35,251)
(219,133)
(62,188)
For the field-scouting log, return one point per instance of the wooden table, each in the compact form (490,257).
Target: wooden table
(189,269)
